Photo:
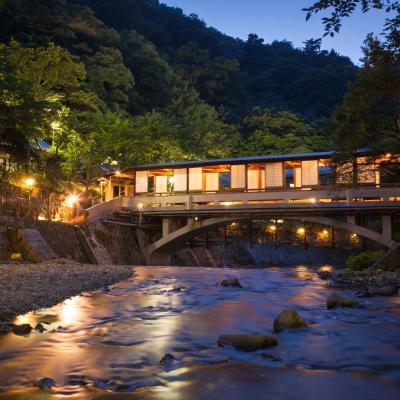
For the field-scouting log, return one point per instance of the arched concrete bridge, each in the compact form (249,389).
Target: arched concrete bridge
(336,207)
(158,252)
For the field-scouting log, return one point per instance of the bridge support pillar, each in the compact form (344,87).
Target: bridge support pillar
(166,226)
(387,227)
(169,225)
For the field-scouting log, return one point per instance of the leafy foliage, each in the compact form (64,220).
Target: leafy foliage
(363,260)
(344,8)
(135,81)
(369,117)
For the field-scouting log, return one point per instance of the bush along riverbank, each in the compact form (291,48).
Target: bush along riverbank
(359,275)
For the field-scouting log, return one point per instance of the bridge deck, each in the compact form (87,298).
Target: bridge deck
(330,201)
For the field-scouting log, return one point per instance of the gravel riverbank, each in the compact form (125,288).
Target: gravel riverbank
(27,287)
(365,282)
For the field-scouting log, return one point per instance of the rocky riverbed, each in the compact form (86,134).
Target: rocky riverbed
(365,283)
(179,333)
(27,287)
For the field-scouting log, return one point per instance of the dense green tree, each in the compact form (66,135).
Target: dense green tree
(369,117)
(34,83)
(232,75)
(109,78)
(269,132)
(154,77)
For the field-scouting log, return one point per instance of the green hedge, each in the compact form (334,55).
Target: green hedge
(363,260)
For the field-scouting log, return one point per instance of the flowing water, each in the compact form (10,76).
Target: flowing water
(108,344)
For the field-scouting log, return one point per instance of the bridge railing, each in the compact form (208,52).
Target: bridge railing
(326,198)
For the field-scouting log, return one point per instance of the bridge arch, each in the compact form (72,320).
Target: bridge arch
(158,251)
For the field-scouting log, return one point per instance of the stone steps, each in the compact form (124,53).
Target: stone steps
(33,244)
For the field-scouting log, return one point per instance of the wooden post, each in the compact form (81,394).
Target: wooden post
(305,236)
(333,237)
(187,180)
(276,234)
(246,179)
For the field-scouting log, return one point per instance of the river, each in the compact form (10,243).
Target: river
(108,344)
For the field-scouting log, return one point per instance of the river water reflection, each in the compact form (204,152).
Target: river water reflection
(108,344)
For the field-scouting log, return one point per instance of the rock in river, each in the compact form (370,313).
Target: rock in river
(336,300)
(232,282)
(289,319)
(45,383)
(389,290)
(247,342)
(40,328)
(23,329)
(167,358)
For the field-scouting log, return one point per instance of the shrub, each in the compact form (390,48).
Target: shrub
(363,260)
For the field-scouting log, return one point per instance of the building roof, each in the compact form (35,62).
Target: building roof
(239,160)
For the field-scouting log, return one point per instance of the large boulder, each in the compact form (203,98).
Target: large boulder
(336,300)
(23,329)
(289,319)
(232,282)
(247,342)
(389,290)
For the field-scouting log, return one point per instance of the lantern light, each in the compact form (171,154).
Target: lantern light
(30,182)
(71,200)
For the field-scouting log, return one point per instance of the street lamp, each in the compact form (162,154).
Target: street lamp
(140,207)
(30,182)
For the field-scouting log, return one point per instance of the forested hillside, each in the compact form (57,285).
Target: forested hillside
(132,81)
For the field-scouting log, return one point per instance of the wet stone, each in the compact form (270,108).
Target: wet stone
(388,290)
(167,359)
(40,328)
(45,383)
(23,329)
(289,319)
(337,300)
(20,330)
(232,282)
(247,342)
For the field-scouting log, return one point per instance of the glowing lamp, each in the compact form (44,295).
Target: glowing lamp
(301,231)
(71,200)
(29,181)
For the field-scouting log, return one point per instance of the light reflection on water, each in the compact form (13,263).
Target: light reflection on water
(108,344)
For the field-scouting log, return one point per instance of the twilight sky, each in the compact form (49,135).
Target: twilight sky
(282,19)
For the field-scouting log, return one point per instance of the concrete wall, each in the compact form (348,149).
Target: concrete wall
(114,244)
